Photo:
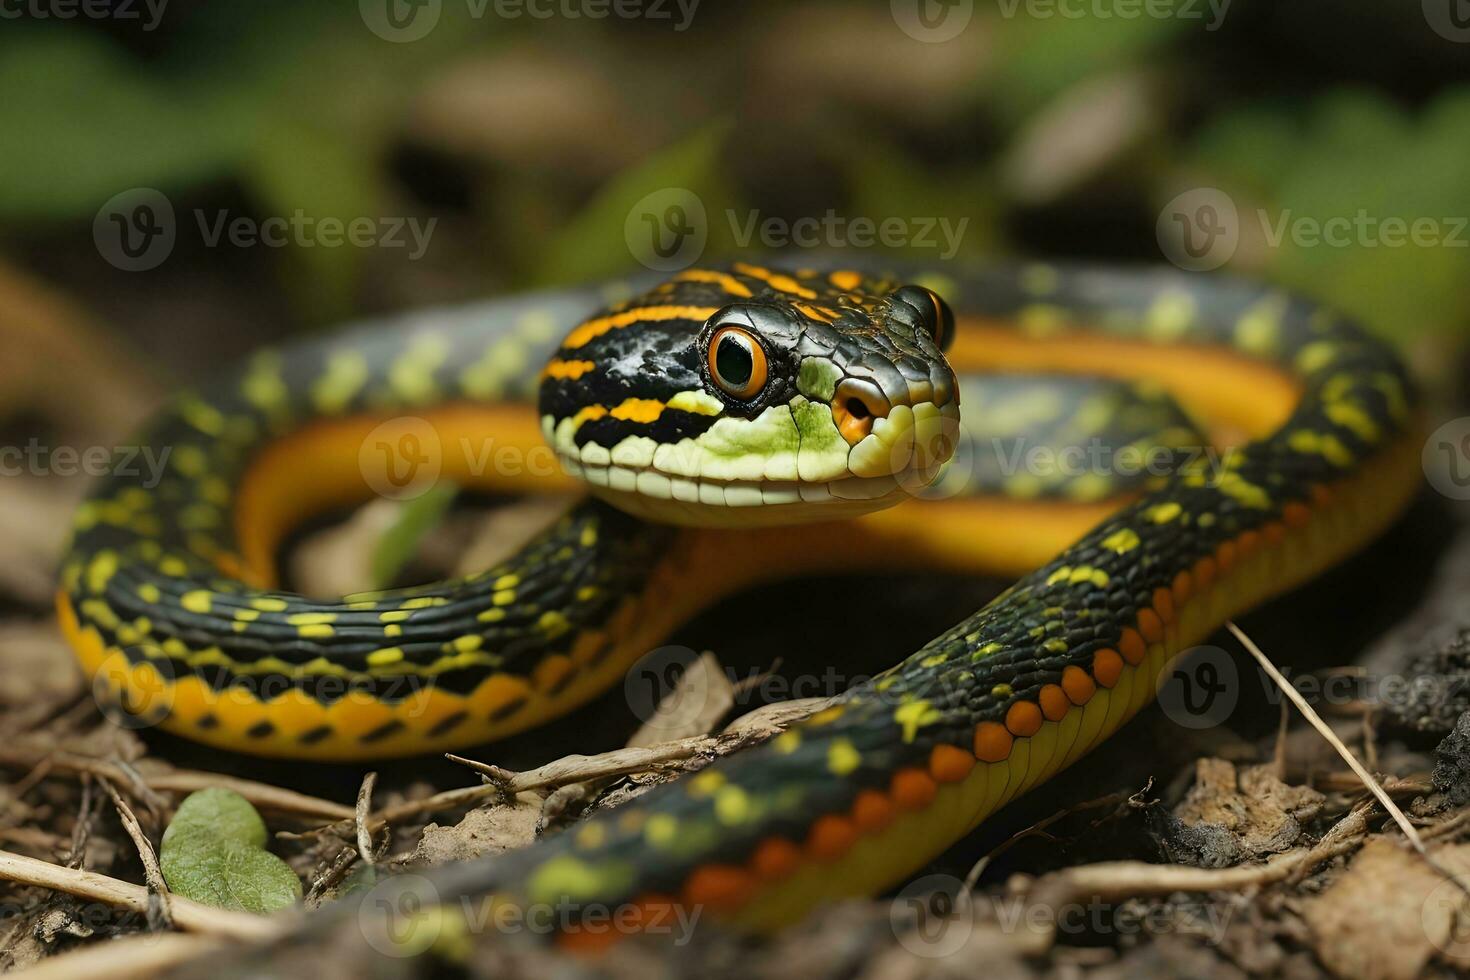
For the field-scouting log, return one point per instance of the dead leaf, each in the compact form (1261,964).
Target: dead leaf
(1229,817)
(1390,913)
(490,829)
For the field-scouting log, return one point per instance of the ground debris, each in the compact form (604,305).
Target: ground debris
(1390,913)
(1230,816)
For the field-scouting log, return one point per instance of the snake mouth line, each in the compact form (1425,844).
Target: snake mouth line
(865,492)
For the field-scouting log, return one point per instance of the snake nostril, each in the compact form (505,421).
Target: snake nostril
(855,405)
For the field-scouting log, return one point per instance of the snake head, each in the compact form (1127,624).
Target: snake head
(748,396)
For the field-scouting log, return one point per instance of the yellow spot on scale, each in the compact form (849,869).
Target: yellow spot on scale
(198,601)
(1258,331)
(263,386)
(1170,316)
(913,716)
(732,806)
(412,376)
(1164,513)
(347,372)
(706,783)
(100,570)
(1122,541)
(553,623)
(269,605)
(316,631)
(786,743)
(842,757)
(382,658)
(311,619)
(661,829)
(149,593)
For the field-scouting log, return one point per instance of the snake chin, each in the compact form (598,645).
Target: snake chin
(698,502)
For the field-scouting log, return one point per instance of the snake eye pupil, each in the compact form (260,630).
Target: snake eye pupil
(737,363)
(733,362)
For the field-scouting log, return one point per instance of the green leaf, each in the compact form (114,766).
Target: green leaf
(593,244)
(214,852)
(417,518)
(303,173)
(96,123)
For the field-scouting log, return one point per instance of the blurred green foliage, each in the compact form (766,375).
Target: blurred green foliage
(299,107)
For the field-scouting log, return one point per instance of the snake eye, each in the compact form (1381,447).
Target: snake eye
(737,363)
(934,312)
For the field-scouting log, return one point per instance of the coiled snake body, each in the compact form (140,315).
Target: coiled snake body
(742,408)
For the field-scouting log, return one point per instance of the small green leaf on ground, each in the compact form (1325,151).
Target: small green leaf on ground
(214,852)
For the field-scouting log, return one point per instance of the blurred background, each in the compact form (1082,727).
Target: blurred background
(526,130)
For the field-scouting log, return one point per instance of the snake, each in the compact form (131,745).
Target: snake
(740,424)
